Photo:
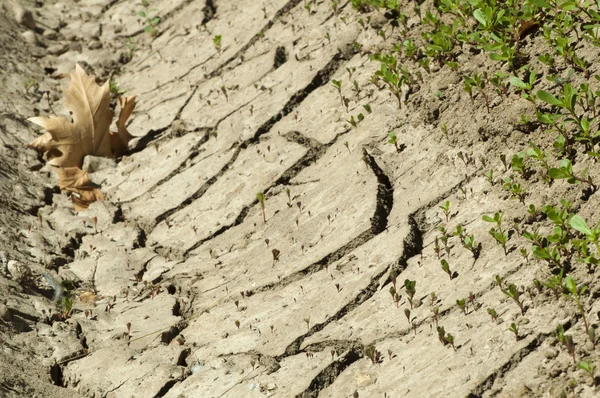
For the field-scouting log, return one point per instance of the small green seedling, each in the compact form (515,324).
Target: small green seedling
(217,42)
(515,329)
(498,233)
(589,368)
(261,199)
(446,209)
(566,340)
(307,321)
(409,286)
(565,171)
(338,86)
(393,139)
(492,312)
(372,353)
(436,314)
(150,21)
(514,293)
(462,304)
(575,294)
(446,267)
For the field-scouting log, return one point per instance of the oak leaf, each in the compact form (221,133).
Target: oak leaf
(88,134)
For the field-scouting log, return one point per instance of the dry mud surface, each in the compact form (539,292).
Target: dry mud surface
(182,254)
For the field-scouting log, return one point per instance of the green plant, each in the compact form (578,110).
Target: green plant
(565,171)
(446,209)
(515,329)
(372,353)
(115,89)
(150,20)
(393,139)
(513,292)
(261,199)
(492,312)
(446,267)
(575,294)
(217,42)
(592,234)
(498,233)
(67,306)
(409,286)
(566,340)
(477,82)
(462,304)
(589,368)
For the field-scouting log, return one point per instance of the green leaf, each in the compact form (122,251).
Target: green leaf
(549,98)
(579,224)
(142,14)
(480,16)
(558,174)
(515,81)
(571,285)
(488,219)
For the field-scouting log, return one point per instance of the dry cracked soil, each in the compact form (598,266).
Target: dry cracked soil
(181,289)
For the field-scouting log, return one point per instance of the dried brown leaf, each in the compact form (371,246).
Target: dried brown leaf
(120,139)
(80,187)
(88,134)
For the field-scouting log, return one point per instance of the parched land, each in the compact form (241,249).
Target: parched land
(360,198)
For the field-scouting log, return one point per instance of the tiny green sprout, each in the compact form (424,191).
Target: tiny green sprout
(433,297)
(436,314)
(407,314)
(513,292)
(499,281)
(328,37)
(450,340)
(307,321)
(518,164)
(446,267)
(472,245)
(497,233)
(261,199)
(338,85)
(372,353)
(334,6)
(490,176)
(445,130)
(347,145)
(446,209)
(150,20)
(515,329)
(217,42)
(523,252)
(237,323)
(462,304)
(29,83)
(393,139)
(575,294)
(115,89)
(67,306)
(367,108)
(492,312)
(590,369)
(409,286)
(441,335)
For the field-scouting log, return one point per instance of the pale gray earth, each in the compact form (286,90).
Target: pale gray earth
(181,252)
